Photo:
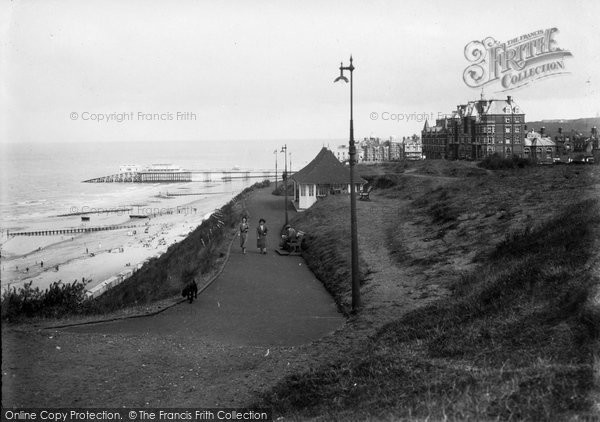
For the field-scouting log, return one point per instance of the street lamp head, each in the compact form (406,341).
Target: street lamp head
(341,77)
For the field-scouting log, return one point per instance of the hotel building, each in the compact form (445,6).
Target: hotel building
(476,130)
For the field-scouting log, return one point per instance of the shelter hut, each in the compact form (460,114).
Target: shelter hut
(323,176)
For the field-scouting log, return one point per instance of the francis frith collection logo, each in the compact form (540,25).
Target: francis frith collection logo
(514,63)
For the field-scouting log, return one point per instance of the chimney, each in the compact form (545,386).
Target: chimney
(509,99)
(594,131)
(542,130)
(560,130)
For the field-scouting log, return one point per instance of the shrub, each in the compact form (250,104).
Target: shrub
(59,299)
(495,162)
(384,181)
(280,189)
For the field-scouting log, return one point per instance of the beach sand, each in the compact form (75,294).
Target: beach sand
(97,256)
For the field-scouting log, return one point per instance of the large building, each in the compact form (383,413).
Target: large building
(413,148)
(342,153)
(476,130)
(375,150)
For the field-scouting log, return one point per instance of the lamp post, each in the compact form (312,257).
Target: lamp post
(353,229)
(275,152)
(284,150)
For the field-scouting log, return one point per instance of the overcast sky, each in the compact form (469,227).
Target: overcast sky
(265,69)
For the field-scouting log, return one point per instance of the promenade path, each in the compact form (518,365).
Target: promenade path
(258,300)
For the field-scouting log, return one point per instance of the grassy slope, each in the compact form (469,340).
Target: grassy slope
(516,340)
(328,256)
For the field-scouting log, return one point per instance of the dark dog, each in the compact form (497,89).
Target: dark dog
(190,291)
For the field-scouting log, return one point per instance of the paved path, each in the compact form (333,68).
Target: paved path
(257,300)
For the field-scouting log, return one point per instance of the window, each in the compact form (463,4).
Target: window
(507,141)
(507,119)
(517,120)
(303,190)
(518,129)
(311,190)
(507,129)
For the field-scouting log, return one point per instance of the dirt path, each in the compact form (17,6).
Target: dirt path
(392,289)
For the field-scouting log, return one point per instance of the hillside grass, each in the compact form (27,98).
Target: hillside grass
(518,337)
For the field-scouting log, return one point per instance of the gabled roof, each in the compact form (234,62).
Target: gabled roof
(534,139)
(495,107)
(325,169)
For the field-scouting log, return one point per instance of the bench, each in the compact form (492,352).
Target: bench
(364,195)
(294,247)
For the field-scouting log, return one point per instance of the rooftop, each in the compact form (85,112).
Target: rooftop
(325,168)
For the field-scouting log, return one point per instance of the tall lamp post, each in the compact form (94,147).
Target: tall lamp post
(284,150)
(275,152)
(353,229)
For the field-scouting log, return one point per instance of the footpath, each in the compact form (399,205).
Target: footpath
(258,299)
(258,321)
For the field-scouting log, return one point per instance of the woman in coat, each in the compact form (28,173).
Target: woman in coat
(261,236)
(244,227)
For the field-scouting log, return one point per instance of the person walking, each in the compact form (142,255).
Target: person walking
(244,227)
(261,236)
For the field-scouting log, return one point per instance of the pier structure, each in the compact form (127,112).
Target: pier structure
(144,177)
(177,176)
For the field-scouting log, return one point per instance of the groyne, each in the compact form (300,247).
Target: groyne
(55,232)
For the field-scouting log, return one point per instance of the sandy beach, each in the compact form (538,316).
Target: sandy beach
(98,256)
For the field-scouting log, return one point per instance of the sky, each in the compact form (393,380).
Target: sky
(157,70)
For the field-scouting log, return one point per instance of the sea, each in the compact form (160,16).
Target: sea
(42,180)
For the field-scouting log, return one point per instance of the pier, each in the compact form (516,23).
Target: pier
(144,177)
(74,230)
(183,176)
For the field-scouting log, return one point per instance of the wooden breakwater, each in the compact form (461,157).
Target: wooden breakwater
(75,230)
(193,193)
(100,211)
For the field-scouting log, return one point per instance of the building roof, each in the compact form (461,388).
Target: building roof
(325,169)
(534,139)
(505,107)
(477,109)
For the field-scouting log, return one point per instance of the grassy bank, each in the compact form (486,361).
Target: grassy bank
(328,256)
(196,256)
(517,339)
